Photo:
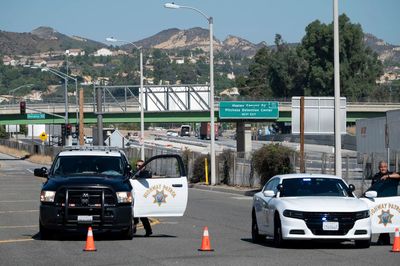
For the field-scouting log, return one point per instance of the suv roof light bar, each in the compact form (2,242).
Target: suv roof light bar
(90,148)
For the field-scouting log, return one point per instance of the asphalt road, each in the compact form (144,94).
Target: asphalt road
(175,240)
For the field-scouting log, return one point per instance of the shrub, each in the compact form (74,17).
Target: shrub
(186,155)
(198,169)
(227,159)
(271,160)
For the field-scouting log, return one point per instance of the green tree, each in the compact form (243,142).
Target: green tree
(285,70)
(359,66)
(257,85)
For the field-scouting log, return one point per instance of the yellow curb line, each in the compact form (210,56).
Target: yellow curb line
(152,222)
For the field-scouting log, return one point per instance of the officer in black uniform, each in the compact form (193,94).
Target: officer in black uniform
(144,220)
(384,175)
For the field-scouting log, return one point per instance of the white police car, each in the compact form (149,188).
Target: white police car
(307,207)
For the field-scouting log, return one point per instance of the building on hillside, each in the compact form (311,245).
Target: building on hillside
(231,76)
(55,63)
(38,62)
(9,61)
(103,52)
(98,65)
(230,92)
(75,52)
(388,77)
(119,52)
(149,67)
(149,81)
(102,81)
(177,60)
(34,95)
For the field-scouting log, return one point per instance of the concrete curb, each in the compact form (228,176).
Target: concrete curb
(247,192)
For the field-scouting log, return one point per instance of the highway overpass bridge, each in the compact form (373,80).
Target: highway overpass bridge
(163,103)
(9,114)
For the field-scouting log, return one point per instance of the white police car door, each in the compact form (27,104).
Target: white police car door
(161,189)
(385,209)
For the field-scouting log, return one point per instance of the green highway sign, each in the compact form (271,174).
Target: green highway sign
(35,116)
(248,110)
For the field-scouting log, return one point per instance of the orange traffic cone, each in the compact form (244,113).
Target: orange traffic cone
(90,241)
(396,243)
(205,242)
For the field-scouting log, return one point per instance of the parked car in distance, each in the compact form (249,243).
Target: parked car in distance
(310,207)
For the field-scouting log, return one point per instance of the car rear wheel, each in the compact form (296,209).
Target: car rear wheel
(363,243)
(255,235)
(278,240)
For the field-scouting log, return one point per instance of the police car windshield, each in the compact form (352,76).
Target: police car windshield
(314,187)
(88,165)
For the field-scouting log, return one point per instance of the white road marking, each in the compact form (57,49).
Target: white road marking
(17,226)
(2,212)
(216,191)
(13,201)
(29,170)
(242,198)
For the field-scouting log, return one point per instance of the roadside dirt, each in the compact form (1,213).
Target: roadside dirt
(39,159)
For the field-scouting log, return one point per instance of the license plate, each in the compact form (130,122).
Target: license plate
(330,226)
(85,218)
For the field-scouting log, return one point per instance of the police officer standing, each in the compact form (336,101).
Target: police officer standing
(381,176)
(144,220)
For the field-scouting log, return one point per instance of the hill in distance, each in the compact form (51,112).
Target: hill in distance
(45,38)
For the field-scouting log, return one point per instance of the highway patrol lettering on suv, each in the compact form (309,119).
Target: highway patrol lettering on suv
(94,186)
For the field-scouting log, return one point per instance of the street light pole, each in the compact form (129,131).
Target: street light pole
(212,118)
(112,39)
(338,140)
(14,90)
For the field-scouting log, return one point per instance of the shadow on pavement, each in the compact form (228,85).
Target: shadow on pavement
(306,244)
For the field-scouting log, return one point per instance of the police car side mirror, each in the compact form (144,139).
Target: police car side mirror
(128,169)
(269,193)
(371,194)
(41,172)
(351,188)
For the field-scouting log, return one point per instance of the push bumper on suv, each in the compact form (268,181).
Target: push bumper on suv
(75,209)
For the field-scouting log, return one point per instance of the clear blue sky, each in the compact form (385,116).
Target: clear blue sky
(254,20)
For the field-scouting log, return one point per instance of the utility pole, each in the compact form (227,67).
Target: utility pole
(100,140)
(81,121)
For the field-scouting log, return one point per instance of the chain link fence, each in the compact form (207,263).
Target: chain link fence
(237,169)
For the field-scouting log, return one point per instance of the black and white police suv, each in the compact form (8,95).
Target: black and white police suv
(94,186)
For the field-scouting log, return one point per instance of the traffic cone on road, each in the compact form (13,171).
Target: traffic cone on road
(90,241)
(396,243)
(205,242)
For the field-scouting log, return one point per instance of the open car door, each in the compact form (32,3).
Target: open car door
(385,208)
(160,188)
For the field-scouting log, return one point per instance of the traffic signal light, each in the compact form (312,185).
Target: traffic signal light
(77,129)
(22,108)
(61,141)
(68,129)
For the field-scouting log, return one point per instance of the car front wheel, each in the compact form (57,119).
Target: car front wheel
(129,233)
(45,233)
(278,240)
(255,235)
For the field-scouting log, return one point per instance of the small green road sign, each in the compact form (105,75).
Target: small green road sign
(35,116)
(248,110)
